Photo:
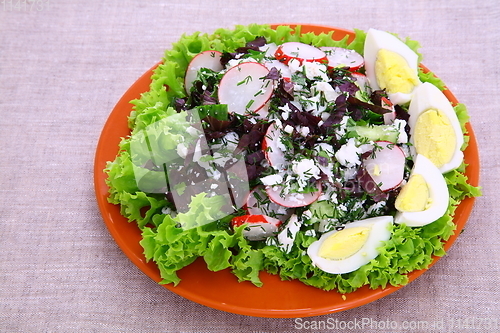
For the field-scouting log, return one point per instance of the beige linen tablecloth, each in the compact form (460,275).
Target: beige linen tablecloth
(64,65)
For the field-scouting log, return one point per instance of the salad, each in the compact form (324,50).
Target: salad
(336,163)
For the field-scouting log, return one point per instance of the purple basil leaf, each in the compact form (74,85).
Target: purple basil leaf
(370,186)
(348,87)
(226,57)
(207,98)
(273,74)
(180,104)
(322,160)
(353,101)
(338,113)
(255,157)
(257,42)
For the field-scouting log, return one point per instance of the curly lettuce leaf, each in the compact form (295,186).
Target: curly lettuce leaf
(172,247)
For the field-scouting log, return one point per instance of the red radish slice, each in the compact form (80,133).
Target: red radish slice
(386,165)
(284,70)
(206,59)
(390,116)
(340,57)
(244,89)
(259,227)
(292,199)
(263,112)
(271,147)
(258,203)
(299,51)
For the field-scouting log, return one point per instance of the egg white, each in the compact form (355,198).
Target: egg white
(428,96)
(377,40)
(379,233)
(438,193)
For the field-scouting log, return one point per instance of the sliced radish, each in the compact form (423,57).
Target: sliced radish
(244,89)
(273,148)
(258,203)
(390,116)
(301,52)
(292,199)
(269,49)
(386,165)
(361,82)
(259,227)
(206,59)
(263,112)
(340,57)
(284,70)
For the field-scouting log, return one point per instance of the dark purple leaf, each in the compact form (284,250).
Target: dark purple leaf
(255,157)
(226,57)
(250,140)
(322,160)
(348,87)
(284,92)
(401,113)
(304,118)
(338,113)
(370,186)
(215,125)
(207,98)
(273,74)
(353,101)
(253,45)
(377,95)
(180,104)
(254,171)
(404,115)
(257,42)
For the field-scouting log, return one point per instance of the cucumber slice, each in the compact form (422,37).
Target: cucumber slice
(377,132)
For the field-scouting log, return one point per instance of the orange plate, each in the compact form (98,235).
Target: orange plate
(221,290)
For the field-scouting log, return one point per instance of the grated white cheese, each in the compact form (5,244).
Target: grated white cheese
(376,207)
(400,124)
(305,169)
(182,150)
(327,90)
(342,128)
(288,129)
(230,140)
(192,131)
(285,111)
(272,180)
(294,65)
(310,232)
(304,131)
(316,71)
(286,237)
(348,154)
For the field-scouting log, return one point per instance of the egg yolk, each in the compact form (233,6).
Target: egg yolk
(414,196)
(344,243)
(393,73)
(434,137)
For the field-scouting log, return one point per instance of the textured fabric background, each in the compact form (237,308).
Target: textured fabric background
(63,68)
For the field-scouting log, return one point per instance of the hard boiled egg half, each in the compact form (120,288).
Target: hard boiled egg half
(435,131)
(391,65)
(346,250)
(424,198)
